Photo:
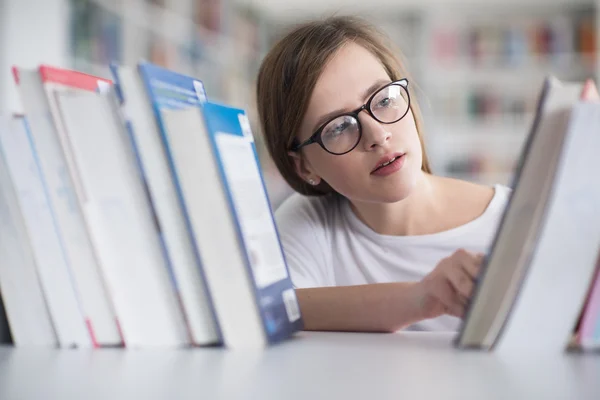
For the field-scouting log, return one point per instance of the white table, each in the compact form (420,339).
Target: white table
(311,366)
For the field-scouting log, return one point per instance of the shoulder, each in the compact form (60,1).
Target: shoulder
(471,192)
(305,225)
(472,204)
(463,199)
(306,210)
(502,194)
(476,195)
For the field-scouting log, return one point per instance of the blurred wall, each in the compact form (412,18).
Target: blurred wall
(31,32)
(477,64)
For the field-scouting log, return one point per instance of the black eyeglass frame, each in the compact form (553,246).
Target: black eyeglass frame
(316,137)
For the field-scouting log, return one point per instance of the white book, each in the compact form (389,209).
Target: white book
(135,265)
(32,190)
(20,287)
(563,263)
(533,284)
(57,169)
(180,250)
(508,261)
(83,256)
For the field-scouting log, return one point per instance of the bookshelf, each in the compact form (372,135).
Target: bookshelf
(477,70)
(217,40)
(482,75)
(27,39)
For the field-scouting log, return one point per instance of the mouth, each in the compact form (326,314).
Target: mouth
(387,161)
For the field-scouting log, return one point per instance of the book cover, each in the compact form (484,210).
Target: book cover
(126,236)
(170,91)
(505,267)
(513,290)
(240,171)
(74,226)
(24,206)
(161,191)
(44,217)
(564,257)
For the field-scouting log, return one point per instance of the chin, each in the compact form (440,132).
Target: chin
(388,190)
(396,194)
(398,189)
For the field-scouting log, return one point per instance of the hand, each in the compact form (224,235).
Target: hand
(447,289)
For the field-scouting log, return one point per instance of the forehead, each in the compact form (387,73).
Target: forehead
(351,71)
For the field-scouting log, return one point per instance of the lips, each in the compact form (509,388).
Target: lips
(386,160)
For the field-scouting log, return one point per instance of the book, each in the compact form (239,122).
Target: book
(565,256)
(216,168)
(26,237)
(257,292)
(127,236)
(548,238)
(154,165)
(5,336)
(587,332)
(61,293)
(38,89)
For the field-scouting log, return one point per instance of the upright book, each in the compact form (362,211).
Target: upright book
(256,291)
(548,238)
(214,160)
(29,246)
(588,336)
(125,231)
(38,89)
(180,251)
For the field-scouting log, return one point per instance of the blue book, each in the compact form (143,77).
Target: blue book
(213,159)
(261,262)
(144,92)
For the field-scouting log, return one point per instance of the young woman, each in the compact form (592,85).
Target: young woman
(373,240)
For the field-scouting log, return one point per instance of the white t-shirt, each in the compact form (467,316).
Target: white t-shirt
(325,244)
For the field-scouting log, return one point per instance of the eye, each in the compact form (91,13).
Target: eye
(337,129)
(385,102)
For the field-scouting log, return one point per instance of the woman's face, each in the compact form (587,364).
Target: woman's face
(347,82)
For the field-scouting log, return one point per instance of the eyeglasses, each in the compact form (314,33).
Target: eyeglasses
(341,134)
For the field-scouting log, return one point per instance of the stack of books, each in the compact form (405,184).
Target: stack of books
(133,212)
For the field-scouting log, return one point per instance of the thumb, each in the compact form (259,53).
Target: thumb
(590,91)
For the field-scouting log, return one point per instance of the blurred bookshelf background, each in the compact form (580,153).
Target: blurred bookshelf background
(478,65)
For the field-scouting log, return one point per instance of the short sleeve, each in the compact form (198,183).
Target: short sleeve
(303,230)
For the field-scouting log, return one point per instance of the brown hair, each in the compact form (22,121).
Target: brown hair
(288,75)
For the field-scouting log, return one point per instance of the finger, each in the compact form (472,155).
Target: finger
(470,262)
(461,282)
(450,299)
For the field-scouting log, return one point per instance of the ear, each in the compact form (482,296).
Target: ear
(304,169)
(590,91)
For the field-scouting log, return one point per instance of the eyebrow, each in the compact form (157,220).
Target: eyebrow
(366,94)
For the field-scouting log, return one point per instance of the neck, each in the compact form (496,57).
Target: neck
(414,215)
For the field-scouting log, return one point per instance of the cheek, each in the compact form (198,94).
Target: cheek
(406,136)
(340,172)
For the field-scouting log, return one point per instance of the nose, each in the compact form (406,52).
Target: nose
(374,133)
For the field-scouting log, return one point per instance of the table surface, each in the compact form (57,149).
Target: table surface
(313,365)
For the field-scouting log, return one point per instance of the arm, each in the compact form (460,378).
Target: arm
(388,307)
(381,307)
